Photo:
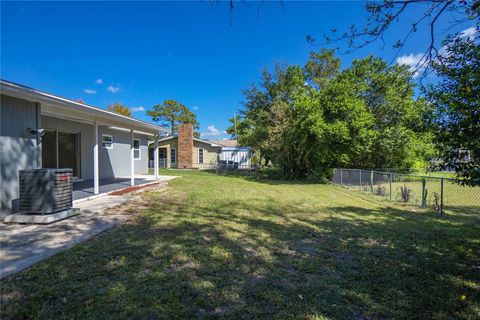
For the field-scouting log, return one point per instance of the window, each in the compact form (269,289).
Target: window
(136,149)
(200,155)
(107,141)
(173,156)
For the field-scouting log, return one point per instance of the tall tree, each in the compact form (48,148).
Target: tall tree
(120,109)
(456,99)
(363,117)
(170,113)
(321,67)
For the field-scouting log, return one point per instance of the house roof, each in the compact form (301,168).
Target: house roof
(226,143)
(194,139)
(21,91)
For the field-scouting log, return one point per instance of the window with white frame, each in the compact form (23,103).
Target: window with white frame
(136,149)
(173,155)
(200,155)
(107,141)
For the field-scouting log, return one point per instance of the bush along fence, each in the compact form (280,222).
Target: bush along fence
(427,192)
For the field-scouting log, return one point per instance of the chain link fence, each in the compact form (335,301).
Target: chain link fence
(436,193)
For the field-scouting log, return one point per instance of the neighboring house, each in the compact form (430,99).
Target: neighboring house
(41,130)
(193,153)
(233,156)
(184,151)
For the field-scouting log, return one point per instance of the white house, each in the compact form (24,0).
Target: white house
(41,130)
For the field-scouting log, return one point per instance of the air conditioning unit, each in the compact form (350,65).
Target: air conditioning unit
(45,191)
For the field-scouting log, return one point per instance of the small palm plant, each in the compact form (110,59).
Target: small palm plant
(405,193)
(381,191)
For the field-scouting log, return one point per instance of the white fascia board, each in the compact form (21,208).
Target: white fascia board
(128,130)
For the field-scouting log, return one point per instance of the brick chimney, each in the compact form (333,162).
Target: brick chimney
(185,146)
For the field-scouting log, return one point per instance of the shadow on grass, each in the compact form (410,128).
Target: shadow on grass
(184,259)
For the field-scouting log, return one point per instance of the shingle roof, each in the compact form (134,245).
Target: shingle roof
(225,143)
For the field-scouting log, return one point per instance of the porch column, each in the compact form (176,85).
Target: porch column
(132,163)
(95,159)
(155,156)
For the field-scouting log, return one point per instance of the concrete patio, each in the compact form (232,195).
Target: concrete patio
(83,189)
(23,245)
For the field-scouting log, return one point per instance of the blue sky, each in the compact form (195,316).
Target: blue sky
(141,54)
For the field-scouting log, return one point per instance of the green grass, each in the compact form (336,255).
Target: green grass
(231,247)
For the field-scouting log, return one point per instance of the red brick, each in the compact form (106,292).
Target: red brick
(185,146)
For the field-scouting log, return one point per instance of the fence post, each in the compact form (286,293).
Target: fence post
(341,177)
(360,176)
(424,193)
(371,181)
(390,178)
(441,195)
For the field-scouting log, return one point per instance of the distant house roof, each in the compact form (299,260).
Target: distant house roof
(210,142)
(225,143)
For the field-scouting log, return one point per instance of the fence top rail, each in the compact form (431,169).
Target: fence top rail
(398,174)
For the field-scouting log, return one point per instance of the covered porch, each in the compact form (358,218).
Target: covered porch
(85,189)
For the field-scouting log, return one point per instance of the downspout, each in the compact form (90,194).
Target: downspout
(38,140)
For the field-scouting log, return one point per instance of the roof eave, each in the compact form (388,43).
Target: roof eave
(36,95)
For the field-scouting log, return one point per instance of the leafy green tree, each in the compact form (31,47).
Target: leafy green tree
(170,113)
(120,109)
(456,101)
(321,67)
(401,138)
(305,119)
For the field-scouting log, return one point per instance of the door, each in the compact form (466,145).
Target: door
(162,157)
(68,151)
(61,150)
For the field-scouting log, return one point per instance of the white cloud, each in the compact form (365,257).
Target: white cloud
(138,109)
(211,132)
(469,33)
(90,91)
(113,89)
(410,60)
(196,107)
(211,128)
(99,81)
(414,61)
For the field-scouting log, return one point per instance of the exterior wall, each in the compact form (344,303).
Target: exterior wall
(115,162)
(18,149)
(185,146)
(239,156)
(210,155)
(169,144)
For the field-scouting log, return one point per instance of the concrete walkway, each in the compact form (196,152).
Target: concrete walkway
(23,245)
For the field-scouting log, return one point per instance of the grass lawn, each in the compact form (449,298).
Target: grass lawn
(214,246)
